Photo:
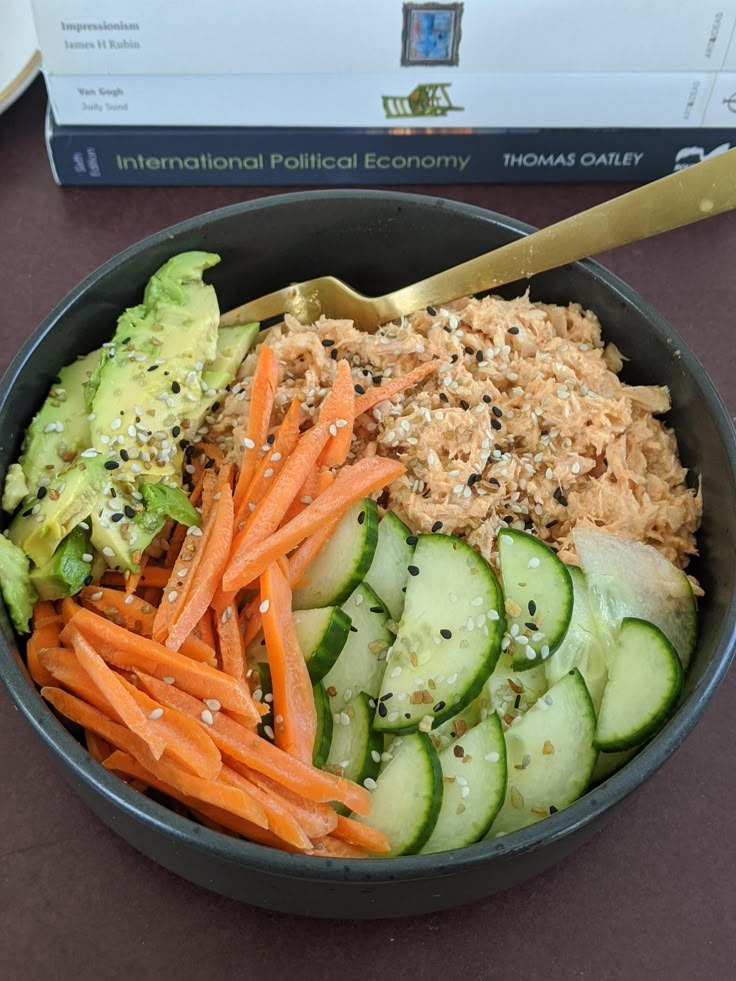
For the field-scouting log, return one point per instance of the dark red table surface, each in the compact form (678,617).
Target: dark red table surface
(651,896)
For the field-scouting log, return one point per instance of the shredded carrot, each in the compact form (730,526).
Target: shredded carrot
(125,650)
(317,482)
(332,847)
(246,746)
(150,575)
(295,715)
(121,607)
(252,620)
(232,652)
(284,444)
(338,411)
(390,388)
(262,394)
(317,819)
(363,835)
(281,820)
(112,687)
(351,484)
(65,669)
(97,747)
(204,630)
(218,820)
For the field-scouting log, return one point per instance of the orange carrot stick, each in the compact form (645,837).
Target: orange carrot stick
(232,652)
(332,847)
(113,688)
(351,484)
(97,747)
(125,650)
(284,444)
(122,608)
(316,483)
(45,623)
(295,715)
(246,746)
(356,833)
(281,820)
(338,410)
(262,393)
(252,619)
(205,631)
(317,819)
(151,575)
(65,669)
(222,821)
(390,388)
(186,787)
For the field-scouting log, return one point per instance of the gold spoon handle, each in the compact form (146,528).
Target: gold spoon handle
(700,191)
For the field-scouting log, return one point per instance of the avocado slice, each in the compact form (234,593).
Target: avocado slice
(151,375)
(15,584)
(121,530)
(55,510)
(172,502)
(60,429)
(69,568)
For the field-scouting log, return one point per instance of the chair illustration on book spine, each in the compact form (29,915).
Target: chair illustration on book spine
(431,99)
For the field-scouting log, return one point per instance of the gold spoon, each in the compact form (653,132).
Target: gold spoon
(700,191)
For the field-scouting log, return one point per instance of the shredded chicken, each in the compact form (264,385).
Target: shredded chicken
(525,423)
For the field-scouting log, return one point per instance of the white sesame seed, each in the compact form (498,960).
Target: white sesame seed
(263,608)
(452,678)
(341,423)
(533,563)
(268,472)
(249,444)
(207,717)
(109,552)
(369,783)
(476,601)
(168,679)
(87,557)
(96,596)
(171,595)
(492,757)
(275,457)
(268,731)
(333,430)
(128,601)
(156,714)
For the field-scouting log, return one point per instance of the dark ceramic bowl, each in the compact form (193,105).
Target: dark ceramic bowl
(379,241)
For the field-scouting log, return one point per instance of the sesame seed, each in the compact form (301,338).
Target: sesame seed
(171,595)
(87,557)
(109,552)
(207,717)
(156,714)
(248,443)
(96,596)
(212,703)
(413,570)
(369,783)
(168,679)
(263,608)
(533,563)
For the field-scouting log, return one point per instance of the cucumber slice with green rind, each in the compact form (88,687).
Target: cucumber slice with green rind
(630,579)
(323,735)
(537,591)
(322,634)
(355,749)
(609,763)
(473,786)
(645,681)
(388,572)
(362,661)
(406,800)
(344,560)
(550,755)
(449,637)
(581,647)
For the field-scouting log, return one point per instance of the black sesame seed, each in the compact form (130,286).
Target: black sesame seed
(560,497)
(175,431)
(487,399)
(124,455)
(468,350)
(407,715)
(333,354)
(88,580)
(382,710)
(413,570)
(431,311)
(376,609)
(495,424)
(129,511)
(447,634)
(412,540)
(28,513)
(447,330)
(359,390)
(532,607)
(361,517)
(443,397)
(473,479)
(438,707)
(41,493)
(118,516)
(175,387)
(494,481)
(385,698)
(513,330)
(113,492)
(517,701)
(270,439)
(185,445)
(496,411)
(436,526)
(464,405)
(125,341)
(530,626)
(377,379)
(403,589)
(328,343)
(551,524)
(478,356)
(508,518)
(215,406)
(453,359)
(209,465)
(154,367)
(111,465)
(353,629)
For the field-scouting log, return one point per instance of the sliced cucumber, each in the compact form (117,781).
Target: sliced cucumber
(388,574)
(609,763)
(322,634)
(550,755)
(581,647)
(630,579)
(473,786)
(407,797)
(645,681)
(449,637)
(344,560)
(355,749)
(323,736)
(511,692)
(362,661)
(538,596)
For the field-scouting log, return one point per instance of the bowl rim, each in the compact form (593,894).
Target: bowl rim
(576,816)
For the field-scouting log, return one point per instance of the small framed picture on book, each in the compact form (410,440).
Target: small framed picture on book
(431,34)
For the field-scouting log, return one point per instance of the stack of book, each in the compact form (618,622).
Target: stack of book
(384,92)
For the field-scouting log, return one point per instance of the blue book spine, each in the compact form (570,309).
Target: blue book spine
(149,156)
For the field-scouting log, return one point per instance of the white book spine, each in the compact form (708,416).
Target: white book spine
(481,101)
(178,37)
